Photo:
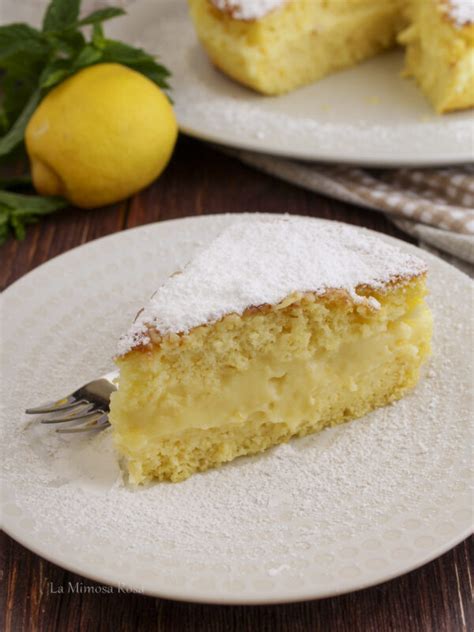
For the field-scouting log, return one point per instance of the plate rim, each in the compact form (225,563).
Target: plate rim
(195,595)
(279,152)
(262,598)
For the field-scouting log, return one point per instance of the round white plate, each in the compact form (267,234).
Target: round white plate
(368,115)
(330,513)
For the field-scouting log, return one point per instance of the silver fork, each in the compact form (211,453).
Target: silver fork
(89,404)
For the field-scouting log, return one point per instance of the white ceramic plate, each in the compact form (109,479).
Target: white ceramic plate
(330,513)
(367,115)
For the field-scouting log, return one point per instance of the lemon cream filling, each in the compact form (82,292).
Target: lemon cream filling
(310,364)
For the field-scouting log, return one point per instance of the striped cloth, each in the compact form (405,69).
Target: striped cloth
(436,206)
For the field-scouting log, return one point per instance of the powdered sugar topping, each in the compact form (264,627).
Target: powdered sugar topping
(247,9)
(262,262)
(462,11)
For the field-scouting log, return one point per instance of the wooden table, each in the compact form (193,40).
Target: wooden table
(200,180)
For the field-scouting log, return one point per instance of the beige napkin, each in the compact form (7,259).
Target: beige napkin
(436,206)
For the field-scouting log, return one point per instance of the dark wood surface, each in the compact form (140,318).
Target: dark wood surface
(200,180)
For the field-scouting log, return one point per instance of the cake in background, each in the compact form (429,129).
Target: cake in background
(439,42)
(275,46)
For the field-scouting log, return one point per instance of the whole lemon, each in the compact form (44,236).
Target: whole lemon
(100,136)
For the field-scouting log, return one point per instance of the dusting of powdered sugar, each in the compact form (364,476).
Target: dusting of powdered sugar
(262,262)
(462,11)
(301,512)
(247,9)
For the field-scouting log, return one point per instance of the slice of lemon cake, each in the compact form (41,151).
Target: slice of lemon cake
(440,51)
(275,46)
(277,329)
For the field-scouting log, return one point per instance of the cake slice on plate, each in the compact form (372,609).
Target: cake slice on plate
(275,46)
(276,329)
(440,51)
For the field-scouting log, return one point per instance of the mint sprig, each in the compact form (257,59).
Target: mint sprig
(17,210)
(34,61)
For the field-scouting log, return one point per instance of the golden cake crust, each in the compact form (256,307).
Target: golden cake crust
(332,296)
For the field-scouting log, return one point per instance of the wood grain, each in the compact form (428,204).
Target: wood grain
(201,180)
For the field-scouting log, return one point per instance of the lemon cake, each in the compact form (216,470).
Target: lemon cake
(440,51)
(274,46)
(276,329)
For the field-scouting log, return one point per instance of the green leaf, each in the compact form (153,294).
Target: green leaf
(14,96)
(18,210)
(24,65)
(68,42)
(98,38)
(4,125)
(120,52)
(137,59)
(61,14)
(18,226)
(15,181)
(54,72)
(88,56)
(61,69)
(23,204)
(4,223)
(101,15)
(52,77)
(20,38)
(15,135)
(154,74)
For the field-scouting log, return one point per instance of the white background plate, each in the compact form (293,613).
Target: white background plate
(367,115)
(330,513)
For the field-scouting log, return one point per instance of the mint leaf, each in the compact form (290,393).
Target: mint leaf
(23,53)
(4,223)
(53,74)
(88,56)
(25,204)
(98,39)
(15,94)
(136,59)
(101,15)
(120,52)
(24,65)
(158,74)
(18,210)
(66,43)
(20,38)
(60,14)
(15,135)
(61,69)
(15,181)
